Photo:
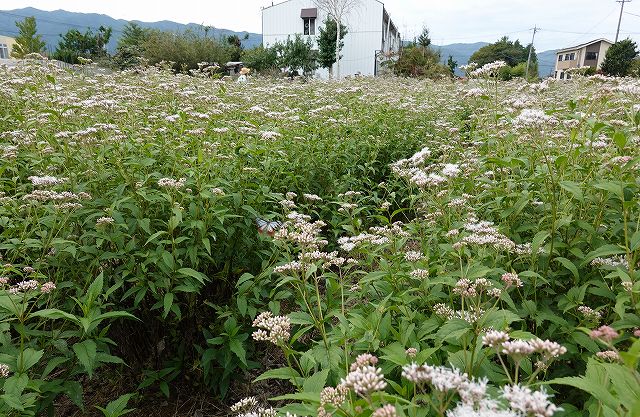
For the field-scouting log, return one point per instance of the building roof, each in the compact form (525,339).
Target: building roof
(287,1)
(571,48)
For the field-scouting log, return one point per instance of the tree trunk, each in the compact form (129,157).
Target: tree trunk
(338,24)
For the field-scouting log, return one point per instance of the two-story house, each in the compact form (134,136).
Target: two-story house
(370,32)
(590,54)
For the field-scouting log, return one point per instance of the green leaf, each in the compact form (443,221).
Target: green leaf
(538,240)
(154,236)
(453,329)
(86,354)
(73,390)
(236,347)
(28,358)
(168,300)
(315,383)
(12,401)
(117,407)
(279,373)
(614,188)
(620,139)
(193,274)
(573,188)
(634,242)
(313,397)
(16,384)
(601,252)
(95,289)
(53,364)
(54,313)
(569,265)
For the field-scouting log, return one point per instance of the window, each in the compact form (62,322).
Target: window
(591,56)
(572,56)
(568,76)
(559,57)
(4,51)
(555,75)
(562,75)
(566,57)
(309,25)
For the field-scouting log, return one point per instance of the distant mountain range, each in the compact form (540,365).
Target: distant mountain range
(52,24)
(461,52)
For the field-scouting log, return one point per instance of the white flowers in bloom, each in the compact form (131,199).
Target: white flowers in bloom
(103,221)
(488,70)
(275,329)
(534,118)
(4,370)
(528,402)
(46,181)
(365,380)
(475,401)
(172,183)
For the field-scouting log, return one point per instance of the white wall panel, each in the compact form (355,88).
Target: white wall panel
(363,39)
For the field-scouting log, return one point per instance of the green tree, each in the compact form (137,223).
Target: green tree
(505,50)
(297,55)
(133,35)
(236,47)
(619,58)
(424,40)
(261,59)
(87,45)
(513,53)
(186,49)
(634,71)
(452,64)
(130,46)
(421,63)
(327,44)
(27,41)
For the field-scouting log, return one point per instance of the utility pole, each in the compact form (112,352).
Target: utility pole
(622,2)
(535,29)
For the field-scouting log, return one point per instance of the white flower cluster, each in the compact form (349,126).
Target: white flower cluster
(468,289)
(380,235)
(612,262)
(299,229)
(519,348)
(46,181)
(248,407)
(589,313)
(275,329)
(172,183)
(47,195)
(4,370)
(534,119)
(364,377)
(446,312)
(474,400)
(103,221)
(488,70)
(528,402)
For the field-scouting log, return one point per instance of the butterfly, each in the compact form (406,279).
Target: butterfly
(266,227)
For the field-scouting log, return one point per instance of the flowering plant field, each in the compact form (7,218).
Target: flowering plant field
(373,247)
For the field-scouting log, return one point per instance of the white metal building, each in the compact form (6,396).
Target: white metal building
(371,33)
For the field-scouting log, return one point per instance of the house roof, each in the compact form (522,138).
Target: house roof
(571,48)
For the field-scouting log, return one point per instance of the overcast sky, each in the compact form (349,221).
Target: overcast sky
(563,22)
